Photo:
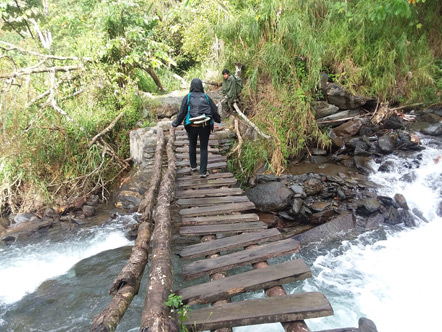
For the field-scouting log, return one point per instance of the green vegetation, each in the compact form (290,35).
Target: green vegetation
(69,68)
(175,302)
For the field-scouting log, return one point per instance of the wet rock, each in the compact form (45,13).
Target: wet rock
(393,122)
(298,190)
(264,178)
(392,216)
(362,163)
(336,140)
(386,144)
(88,211)
(9,239)
(407,217)
(368,130)
(387,201)
(374,221)
(319,159)
(400,199)
(297,205)
(433,130)
(439,209)
(367,206)
(387,167)
(271,196)
(409,177)
(348,129)
(357,142)
(341,195)
(336,95)
(419,214)
(323,109)
(341,223)
(23,217)
(312,187)
(431,118)
(366,325)
(321,217)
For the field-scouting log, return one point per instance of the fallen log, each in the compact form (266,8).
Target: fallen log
(127,283)
(156,316)
(250,123)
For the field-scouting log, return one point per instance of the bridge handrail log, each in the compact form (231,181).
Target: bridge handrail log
(156,316)
(127,283)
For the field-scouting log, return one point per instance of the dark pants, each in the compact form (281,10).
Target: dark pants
(192,134)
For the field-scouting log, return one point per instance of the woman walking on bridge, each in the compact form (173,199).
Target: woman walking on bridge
(199,112)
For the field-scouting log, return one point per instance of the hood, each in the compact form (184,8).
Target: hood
(196,85)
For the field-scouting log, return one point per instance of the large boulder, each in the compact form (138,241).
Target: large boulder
(433,130)
(336,95)
(312,187)
(386,144)
(366,325)
(349,128)
(270,196)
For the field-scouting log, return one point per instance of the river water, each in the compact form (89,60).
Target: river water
(390,275)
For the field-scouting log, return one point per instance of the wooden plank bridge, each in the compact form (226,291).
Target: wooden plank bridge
(230,259)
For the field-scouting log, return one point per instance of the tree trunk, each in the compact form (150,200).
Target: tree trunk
(127,283)
(154,76)
(156,316)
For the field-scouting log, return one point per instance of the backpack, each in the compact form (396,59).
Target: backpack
(238,83)
(198,107)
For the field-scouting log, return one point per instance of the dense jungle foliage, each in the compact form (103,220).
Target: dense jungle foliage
(73,77)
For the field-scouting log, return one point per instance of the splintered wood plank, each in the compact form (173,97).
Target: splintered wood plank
(224,219)
(196,176)
(217,209)
(186,149)
(211,200)
(206,183)
(240,258)
(183,140)
(249,281)
(187,170)
(223,228)
(229,243)
(212,159)
(261,311)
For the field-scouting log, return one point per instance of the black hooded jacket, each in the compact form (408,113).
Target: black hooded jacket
(196,86)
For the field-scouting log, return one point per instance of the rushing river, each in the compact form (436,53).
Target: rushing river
(390,275)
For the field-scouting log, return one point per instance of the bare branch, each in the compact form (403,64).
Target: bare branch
(250,123)
(12,47)
(106,130)
(29,71)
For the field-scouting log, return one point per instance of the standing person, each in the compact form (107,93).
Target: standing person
(199,112)
(230,89)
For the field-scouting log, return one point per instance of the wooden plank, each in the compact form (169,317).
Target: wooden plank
(264,278)
(240,258)
(229,243)
(221,164)
(186,156)
(196,176)
(193,193)
(212,159)
(224,219)
(183,140)
(185,202)
(214,210)
(261,311)
(186,149)
(205,183)
(223,228)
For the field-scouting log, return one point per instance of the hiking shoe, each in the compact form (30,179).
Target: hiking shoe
(193,169)
(203,175)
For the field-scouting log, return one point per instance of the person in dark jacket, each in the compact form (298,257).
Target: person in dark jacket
(194,100)
(229,89)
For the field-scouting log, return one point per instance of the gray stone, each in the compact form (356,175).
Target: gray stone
(431,118)
(400,199)
(341,223)
(337,118)
(287,216)
(321,217)
(433,130)
(349,128)
(409,177)
(368,205)
(167,110)
(374,221)
(419,214)
(407,218)
(336,140)
(297,205)
(271,196)
(263,178)
(312,187)
(362,163)
(92,200)
(393,122)
(323,109)
(392,216)
(23,217)
(386,144)
(319,206)
(88,210)
(319,159)
(439,209)
(318,152)
(366,325)
(336,95)
(297,189)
